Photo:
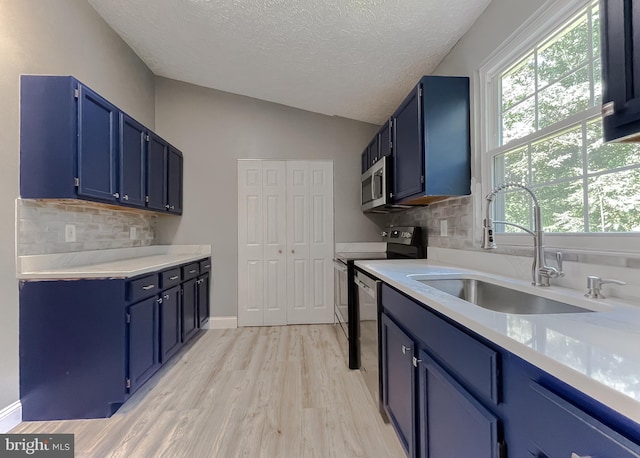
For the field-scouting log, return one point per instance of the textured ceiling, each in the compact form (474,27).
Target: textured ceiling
(351,58)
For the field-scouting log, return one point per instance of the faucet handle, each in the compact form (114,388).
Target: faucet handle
(594,284)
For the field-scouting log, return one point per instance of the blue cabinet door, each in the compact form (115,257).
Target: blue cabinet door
(189,309)
(408,153)
(174,181)
(203,299)
(133,149)
(620,68)
(374,151)
(157,172)
(364,160)
(398,382)
(170,331)
(451,422)
(143,341)
(97,146)
(384,140)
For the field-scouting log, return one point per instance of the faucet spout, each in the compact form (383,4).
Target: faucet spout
(540,272)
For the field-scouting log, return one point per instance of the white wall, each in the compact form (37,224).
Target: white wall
(64,37)
(214,129)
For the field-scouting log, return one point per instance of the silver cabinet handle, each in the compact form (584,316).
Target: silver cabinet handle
(167,207)
(173,208)
(175,277)
(207,266)
(125,197)
(416,361)
(148,287)
(193,271)
(116,195)
(166,297)
(405,349)
(575,455)
(159,301)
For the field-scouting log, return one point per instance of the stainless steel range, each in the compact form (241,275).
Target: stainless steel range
(356,308)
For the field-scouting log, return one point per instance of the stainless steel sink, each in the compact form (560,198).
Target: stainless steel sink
(500,298)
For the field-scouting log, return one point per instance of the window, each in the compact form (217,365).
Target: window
(544,129)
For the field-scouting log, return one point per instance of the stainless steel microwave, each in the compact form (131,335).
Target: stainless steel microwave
(376,188)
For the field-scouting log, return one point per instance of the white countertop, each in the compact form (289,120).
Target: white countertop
(597,353)
(116,263)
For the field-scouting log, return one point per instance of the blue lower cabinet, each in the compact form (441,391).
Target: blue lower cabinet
(203,299)
(170,329)
(189,309)
(398,382)
(453,422)
(87,345)
(466,397)
(143,337)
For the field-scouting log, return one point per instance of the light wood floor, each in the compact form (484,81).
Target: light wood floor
(251,392)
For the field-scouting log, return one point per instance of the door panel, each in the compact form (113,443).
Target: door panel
(143,341)
(170,332)
(174,181)
(189,309)
(133,146)
(408,154)
(97,146)
(275,243)
(250,244)
(157,173)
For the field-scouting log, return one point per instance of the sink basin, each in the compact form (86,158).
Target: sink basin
(500,298)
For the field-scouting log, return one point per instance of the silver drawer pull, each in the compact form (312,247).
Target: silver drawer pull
(175,277)
(405,349)
(148,287)
(207,266)
(193,271)
(159,301)
(416,361)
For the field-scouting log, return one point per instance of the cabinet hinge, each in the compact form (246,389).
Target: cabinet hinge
(148,138)
(421,178)
(127,384)
(146,199)
(128,318)
(76,182)
(76,93)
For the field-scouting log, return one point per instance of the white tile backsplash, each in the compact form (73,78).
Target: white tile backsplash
(41,226)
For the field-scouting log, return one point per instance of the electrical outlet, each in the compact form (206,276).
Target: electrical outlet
(69,232)
(132,232)
(443,228)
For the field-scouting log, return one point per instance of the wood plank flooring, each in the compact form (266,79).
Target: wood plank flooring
(249,392)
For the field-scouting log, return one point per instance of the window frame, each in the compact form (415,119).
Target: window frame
(551,15)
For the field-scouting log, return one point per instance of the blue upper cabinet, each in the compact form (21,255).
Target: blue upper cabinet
(620,69)
(384,140)
(133,149)
(97,146)
(76,144)
(174,180)
(157,173)
(431,143)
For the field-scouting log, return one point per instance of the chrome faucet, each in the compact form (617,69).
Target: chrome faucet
(540,272)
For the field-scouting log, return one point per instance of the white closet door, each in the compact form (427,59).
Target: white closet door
(310,242)
(298,291)
(321,242)
(274,183)
(250,244)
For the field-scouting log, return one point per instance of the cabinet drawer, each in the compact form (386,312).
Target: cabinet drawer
(169,278)
(558,428)
(465,357)
(191,270)
(142,287)
(205,266)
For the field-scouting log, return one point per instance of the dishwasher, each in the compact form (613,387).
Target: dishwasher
(368,315)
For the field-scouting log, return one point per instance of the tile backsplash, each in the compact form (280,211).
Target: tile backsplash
(41,226)
(456,211)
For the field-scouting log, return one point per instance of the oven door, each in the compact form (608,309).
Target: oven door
(341,304)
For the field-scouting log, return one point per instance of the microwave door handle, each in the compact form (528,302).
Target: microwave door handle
(373,186)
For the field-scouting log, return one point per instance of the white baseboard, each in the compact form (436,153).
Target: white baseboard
(10,417)
(223,322)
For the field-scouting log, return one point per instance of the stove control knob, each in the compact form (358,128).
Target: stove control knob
(384,233)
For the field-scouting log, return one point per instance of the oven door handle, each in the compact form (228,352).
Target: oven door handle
(366,288)
(338,265)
